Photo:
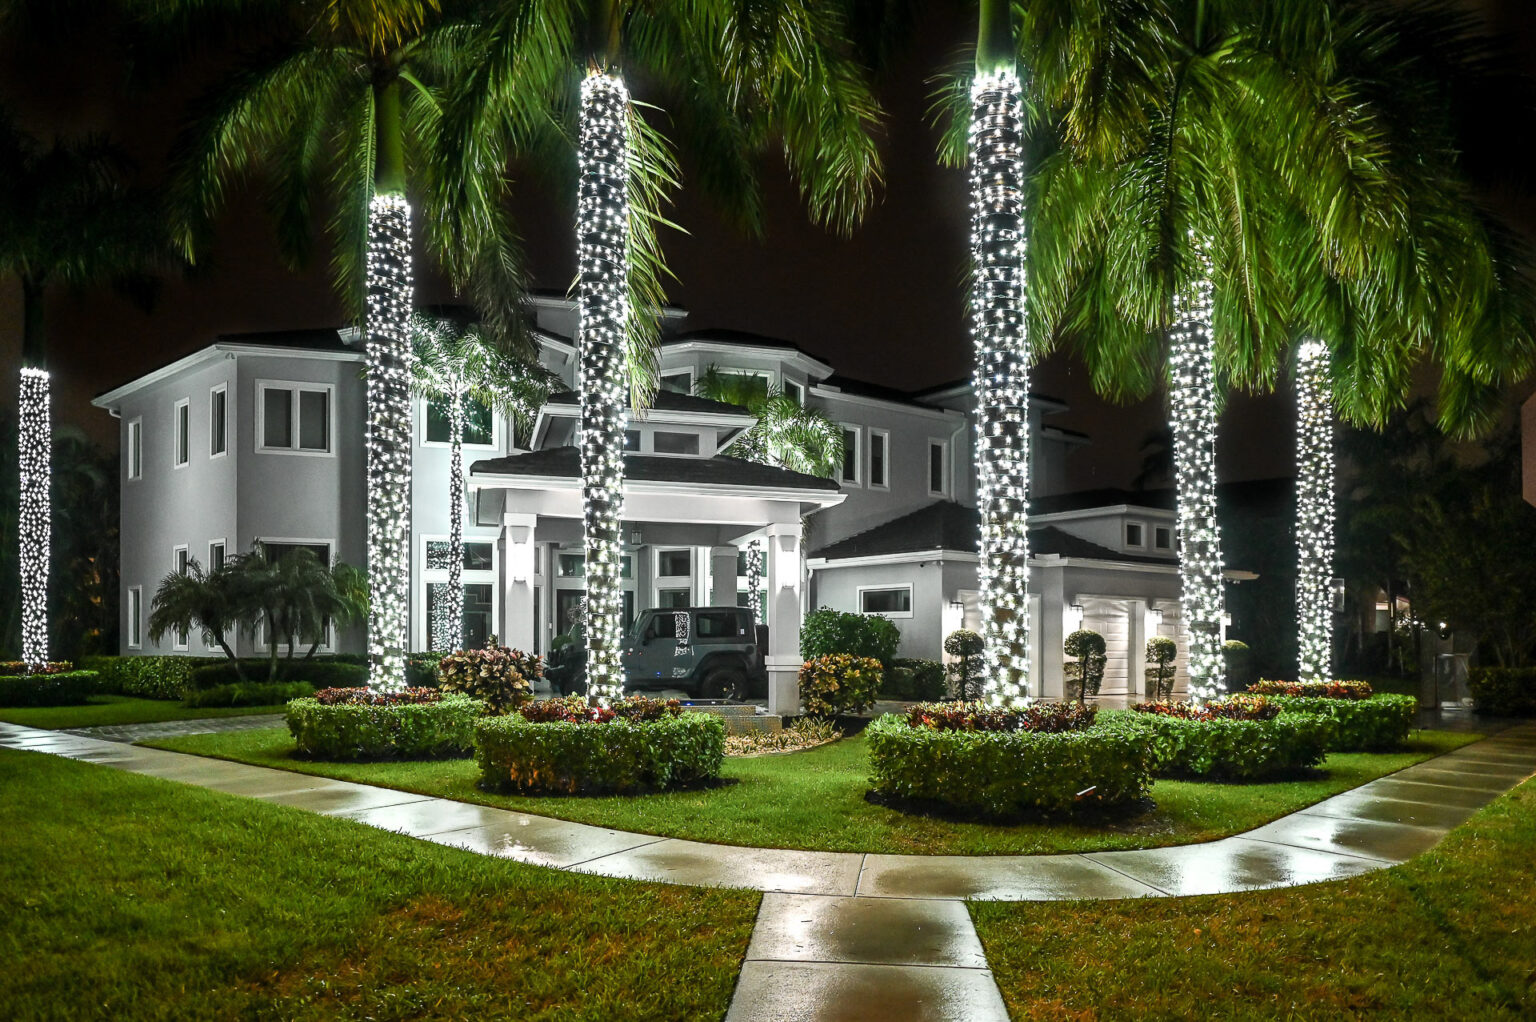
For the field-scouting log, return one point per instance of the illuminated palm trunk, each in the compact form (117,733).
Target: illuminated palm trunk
(1193,417)
(389,438)
(1001,380)
(35,522)
(448,617)
(1314,514)
(602,233)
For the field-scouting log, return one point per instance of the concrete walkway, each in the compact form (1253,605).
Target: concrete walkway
(131,733)
(844,935)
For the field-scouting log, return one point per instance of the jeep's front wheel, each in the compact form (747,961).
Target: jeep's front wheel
(725,683)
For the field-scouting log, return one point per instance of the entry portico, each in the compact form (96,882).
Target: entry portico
(689,525)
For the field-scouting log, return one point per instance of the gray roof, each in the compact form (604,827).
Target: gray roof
(565,462)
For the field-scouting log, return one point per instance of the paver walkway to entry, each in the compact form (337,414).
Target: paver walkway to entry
(853,935)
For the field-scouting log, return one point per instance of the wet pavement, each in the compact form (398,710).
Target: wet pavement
(845,935)
(172,728)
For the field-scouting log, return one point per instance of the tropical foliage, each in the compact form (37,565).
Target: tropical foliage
(787,434)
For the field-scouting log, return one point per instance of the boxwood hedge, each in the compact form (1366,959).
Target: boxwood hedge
(63,688)
(249,693)
(1242,750)
(348,731)
(152,677)
(1359,725)
(1004,773)
(319,673)
(561,757)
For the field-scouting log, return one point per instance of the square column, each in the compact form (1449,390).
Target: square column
(1136,650)
(518,571)
(722,576)
(784,583)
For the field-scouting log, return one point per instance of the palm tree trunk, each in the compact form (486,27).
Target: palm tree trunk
(1193,417)
(1314,514)
(602,230)
(35,446)
(998,328)
(452,612)
(390,297)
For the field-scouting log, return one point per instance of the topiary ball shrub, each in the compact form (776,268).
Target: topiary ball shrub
(356,723)
(839,683)
(566,747)
(1237,663)
(1241,738)
(1504,691)
(984,762)
(1161,653)
(1085,676)
(500,676)
(57,688)
(1372,724)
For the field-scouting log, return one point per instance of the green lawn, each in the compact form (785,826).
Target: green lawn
(1450,935)
(133,898)
(102,710)
(815,800)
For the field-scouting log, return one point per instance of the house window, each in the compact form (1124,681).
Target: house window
(575,566)
(675,443)
(182,423)
(677,383)
(879,444)
(474,555)
(294,418)
(218,420)
(135,452)
(850,474)
(674,578)
(887,601)
(1162,537)
(479,423)
(631,439)
(275,551)
(1135,535)
(478,579)
(938,477)
(179,565)
(794,392)
(216,555)
(674,563)
(135,624)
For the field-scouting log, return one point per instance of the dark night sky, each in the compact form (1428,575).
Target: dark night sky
(885,305)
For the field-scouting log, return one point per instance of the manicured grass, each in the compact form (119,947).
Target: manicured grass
(128,897)
(104,710)
(1451,934)
(815,800)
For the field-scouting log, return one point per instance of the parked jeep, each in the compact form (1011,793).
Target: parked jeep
(709,652)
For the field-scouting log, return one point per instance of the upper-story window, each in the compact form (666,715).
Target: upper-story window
(938,468)
(1162,538)
(851,455)
(678,383)
(794,392)
(479,423)
(675,443)
(879,457)
(134,451)
(293,418)
(1135,535)
(218,420)
(631,439)
(182,423)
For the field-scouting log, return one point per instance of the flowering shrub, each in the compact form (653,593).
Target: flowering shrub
(12,668)
(978,716)
(650,750)
(368,697)
(502,677)
(358,724)
(839,683)
(1003,772)
(1380,722)
(1313,689)
(59,688)
(576,710)
(1237,707)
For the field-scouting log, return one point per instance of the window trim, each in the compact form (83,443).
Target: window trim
(885,467)
(223,545)
(134,613)
(1168,530)
(942,446)
(494,445)
(259,640)
(135,466)
(218,388)
(895,614)
(181,457)
(798,397)
(1125,535)
(858,454)
(660,581)
(295,387)
(179,640)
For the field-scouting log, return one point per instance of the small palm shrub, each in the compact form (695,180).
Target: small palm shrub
(503,678)
(1086,676)
(839,683)
(966,646)
(1161,652)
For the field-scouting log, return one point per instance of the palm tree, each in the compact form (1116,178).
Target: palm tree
(210,601)
(345,102)
(742,77)
(786,434)
(66,218)
(456,364)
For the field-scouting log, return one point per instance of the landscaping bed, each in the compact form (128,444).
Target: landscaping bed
(1239,738)
(355,723)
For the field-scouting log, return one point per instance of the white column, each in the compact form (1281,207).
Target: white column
(518,569)
(722,576)
(1136,650)
(783,657)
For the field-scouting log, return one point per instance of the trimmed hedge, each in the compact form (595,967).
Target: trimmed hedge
(1504,691)
(152,677)
(62,688)
(1241,750)
(319,673)
(1004,773)
(249,693)
(620,756)
(915,680)
(1359,725)
(347,731)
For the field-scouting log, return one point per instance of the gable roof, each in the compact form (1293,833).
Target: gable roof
(565,463)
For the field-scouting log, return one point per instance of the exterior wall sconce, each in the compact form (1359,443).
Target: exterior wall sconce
(520,552)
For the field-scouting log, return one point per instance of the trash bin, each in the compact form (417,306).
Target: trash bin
(1451,680)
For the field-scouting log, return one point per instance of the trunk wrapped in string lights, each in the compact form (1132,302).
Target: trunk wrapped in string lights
(1001,379)
(1314,513)
(34,527)
(389,437)
(755,580)
(602,232)
(1192,396)
(448,600)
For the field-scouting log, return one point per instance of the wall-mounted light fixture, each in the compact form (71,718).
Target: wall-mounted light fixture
(520,552)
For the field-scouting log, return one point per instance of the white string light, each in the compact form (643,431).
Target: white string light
(35,524)
(998,243)
(1314,513)
(390,298)
(755,579)
(1193,413)
(602,253)
(453,608)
